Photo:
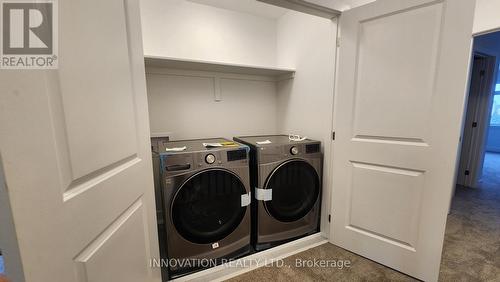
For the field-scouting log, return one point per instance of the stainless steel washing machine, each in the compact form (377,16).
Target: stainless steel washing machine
(286,181)
(205,204)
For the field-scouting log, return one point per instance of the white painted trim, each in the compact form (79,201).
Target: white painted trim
(224,67)
(211,74)
(479,33)
(161,134)
(224,272)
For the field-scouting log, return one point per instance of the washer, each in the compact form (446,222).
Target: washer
(205,204)
(286,181)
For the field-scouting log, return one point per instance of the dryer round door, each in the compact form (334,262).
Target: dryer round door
(295,188)
(207,207)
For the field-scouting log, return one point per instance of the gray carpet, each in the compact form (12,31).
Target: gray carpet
(361,269)
(471,249)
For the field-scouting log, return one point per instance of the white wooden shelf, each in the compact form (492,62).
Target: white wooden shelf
(199,65)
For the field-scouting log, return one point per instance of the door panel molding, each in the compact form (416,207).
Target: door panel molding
(85,115)
(381,237)
(378,65)
(106,251)
(390,140)
(87,182)
(385,201)
(76,151)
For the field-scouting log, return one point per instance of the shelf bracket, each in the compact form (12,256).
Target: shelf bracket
(217,92)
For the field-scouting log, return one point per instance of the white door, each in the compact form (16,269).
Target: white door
(75,149)
(403,70)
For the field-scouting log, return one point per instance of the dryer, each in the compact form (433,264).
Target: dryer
(286,181)
(205,196)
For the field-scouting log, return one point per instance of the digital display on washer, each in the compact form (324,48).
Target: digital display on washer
(312,148)
(236,155)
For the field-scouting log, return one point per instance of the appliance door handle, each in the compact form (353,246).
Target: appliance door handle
(178,167)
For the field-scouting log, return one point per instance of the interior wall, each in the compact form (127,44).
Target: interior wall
(184,106)
(486,16)
(305,103)
(489,44)
(183,29)
(493,141)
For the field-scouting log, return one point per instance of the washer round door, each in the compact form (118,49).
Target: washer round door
(207,207)
(296,187)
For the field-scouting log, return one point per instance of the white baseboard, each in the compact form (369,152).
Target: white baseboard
(251,262)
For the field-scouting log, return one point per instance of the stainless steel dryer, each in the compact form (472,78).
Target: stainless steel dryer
(205,196)
(286,181)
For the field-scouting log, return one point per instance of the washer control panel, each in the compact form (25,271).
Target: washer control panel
(294,150)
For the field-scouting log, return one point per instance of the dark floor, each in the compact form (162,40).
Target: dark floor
(471,249)
(361,269)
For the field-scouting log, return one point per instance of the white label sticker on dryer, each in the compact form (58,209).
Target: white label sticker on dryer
(263,194)
(215,245)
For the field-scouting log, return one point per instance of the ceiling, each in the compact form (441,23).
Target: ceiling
(269,11)
(247,6)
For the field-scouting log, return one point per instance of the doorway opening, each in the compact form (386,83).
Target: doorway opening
(475,133)
(479,165)
(472,233)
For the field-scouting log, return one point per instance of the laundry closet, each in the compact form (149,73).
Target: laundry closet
(250,69)
(239,68)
